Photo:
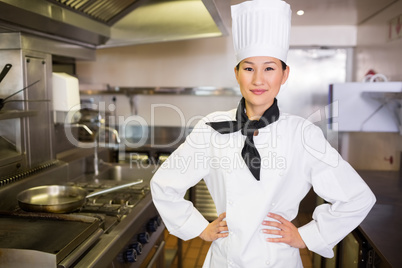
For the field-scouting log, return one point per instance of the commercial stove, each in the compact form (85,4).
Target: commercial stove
(117,229)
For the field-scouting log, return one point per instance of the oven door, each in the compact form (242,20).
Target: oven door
(353,251)
(156,258)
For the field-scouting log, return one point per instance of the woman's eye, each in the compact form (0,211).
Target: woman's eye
(269,69)
(248,69)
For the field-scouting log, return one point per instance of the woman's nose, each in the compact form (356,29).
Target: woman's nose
(257,78)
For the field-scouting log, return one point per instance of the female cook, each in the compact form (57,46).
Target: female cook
(258,163)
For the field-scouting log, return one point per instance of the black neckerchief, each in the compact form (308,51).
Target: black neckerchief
(248,127)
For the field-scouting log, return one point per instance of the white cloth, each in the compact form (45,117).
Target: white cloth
(261,28)
(295,157)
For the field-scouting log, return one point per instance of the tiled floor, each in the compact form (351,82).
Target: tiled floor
(195,250)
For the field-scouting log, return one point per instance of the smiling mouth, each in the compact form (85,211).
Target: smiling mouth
(258,91)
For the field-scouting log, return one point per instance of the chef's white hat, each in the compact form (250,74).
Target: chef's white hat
(261,28)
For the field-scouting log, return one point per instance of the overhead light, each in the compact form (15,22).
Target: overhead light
(300,12)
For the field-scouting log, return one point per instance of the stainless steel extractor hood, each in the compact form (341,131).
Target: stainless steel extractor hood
(105,11)
(100,23)
(167,20)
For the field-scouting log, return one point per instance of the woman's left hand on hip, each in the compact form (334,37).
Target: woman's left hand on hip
(287,231)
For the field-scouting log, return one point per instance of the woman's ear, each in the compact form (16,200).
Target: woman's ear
(236,71)
(285,74)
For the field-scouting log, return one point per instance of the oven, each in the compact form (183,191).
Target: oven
(354,251)
(117,229)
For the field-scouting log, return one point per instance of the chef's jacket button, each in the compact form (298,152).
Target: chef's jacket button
(267,263)
(229,171)
(273,204)
(281,173)
(230,262)
(230,203)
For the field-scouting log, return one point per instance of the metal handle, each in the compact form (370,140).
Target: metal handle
(156,255)
(114,188)
(5,70)
(70,259)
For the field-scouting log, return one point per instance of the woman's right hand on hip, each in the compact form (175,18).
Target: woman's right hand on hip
(216,229)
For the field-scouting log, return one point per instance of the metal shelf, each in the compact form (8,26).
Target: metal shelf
(12,114)
(196,91)
(383,95)
(386,97)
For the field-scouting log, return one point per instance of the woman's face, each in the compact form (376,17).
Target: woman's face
(260,79)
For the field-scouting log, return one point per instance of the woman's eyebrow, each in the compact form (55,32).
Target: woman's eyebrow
(267,62)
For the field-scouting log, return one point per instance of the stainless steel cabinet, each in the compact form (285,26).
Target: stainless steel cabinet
(26,127)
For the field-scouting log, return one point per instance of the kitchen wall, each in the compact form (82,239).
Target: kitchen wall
(374,151)
(189,63)
(192,63)
(210,62)
(375,50)
(201,62)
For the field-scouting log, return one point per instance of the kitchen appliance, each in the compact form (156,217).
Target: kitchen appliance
(59,198)
(369,106)
(65,97)
(110,230)
(21,233)
(25,131)
(116,229)
(91,23)
(93,119)
(354,251)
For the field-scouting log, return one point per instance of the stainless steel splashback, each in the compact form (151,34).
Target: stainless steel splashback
(29,111)
(39,134)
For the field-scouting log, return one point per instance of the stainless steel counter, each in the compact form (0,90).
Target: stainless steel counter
(121,219)
(198,91)
(382,227)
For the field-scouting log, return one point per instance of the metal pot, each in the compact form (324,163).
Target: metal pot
(59,198)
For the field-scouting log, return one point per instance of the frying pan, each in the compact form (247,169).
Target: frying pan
(59,198)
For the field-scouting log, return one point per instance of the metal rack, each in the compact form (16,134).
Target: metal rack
(385,98)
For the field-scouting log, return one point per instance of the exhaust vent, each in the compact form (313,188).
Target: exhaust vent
(110,23)
(105,11)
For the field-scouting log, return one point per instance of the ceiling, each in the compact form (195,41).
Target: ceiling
(167,20)
(334,12)
(148,21)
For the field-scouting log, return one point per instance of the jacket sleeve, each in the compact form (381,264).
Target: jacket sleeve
(348,198)
(183,169)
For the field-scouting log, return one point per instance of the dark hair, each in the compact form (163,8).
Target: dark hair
(283,66)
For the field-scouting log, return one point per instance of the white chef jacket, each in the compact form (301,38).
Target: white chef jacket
(295,157)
